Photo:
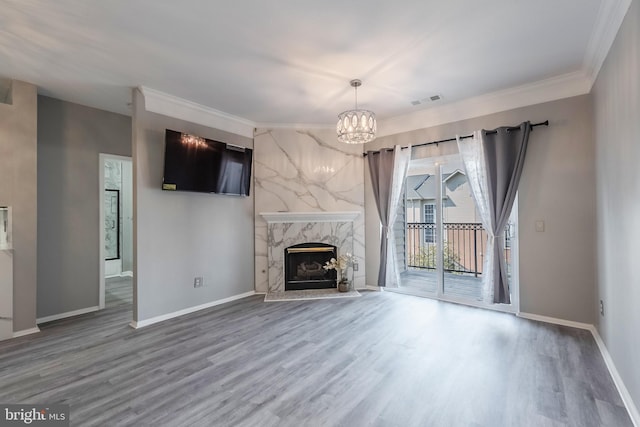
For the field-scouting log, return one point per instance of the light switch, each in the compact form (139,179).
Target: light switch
(540,226)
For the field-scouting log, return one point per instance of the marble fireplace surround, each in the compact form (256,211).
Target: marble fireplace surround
(285,229)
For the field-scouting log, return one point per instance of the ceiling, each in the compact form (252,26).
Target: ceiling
(290,61)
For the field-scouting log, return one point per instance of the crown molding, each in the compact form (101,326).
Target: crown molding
(295,125)
(173,106)
(608,22)
(554,88)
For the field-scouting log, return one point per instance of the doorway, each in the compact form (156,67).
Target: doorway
(116,230)
(442,239)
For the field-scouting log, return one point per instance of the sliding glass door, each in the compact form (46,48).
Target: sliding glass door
(443,234)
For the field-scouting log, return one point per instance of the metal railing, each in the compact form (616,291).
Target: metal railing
(463,247)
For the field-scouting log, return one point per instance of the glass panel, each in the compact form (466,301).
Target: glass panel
(4,227)
(421,275)
(112,224)
(444,237)
(464,238)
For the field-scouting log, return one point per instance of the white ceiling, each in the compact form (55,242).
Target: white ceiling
(290,61)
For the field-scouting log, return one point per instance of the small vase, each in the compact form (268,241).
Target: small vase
(344,286)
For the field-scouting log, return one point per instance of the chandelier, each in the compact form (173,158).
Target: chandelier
(356,126)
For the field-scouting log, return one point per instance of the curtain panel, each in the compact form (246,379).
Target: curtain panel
(493,161)
(388,170)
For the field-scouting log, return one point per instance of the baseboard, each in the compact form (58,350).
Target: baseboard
(632,409)
(142,323)
(555,321)
(67,314)
(24,332)
(613,371)
(373,288)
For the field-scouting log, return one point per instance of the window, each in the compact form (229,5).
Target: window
(430,223)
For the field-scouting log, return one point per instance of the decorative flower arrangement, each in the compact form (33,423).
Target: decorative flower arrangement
(340,265)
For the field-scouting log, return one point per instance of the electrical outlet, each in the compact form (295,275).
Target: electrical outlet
(601,308)
(355,266)
(198,282)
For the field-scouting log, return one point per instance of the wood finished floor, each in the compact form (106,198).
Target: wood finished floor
(383,359)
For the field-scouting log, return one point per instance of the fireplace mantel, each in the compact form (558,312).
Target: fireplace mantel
(282,217)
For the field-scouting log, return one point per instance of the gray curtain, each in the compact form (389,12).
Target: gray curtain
(381,171)
(504,153)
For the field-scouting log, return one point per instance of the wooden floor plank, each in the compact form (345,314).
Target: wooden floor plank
(384,359)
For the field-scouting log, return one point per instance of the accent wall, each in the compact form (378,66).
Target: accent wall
(308,170)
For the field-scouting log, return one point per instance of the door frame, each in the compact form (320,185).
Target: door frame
(514,307)
(102,158)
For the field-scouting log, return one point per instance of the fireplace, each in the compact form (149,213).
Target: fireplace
(303,266)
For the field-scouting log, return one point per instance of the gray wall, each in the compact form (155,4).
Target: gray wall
(18,189)
(179,235)
(557,274)
(70,137)
(617,133)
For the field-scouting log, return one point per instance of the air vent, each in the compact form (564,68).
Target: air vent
(427,100)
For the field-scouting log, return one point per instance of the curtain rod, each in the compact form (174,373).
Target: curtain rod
(545,123)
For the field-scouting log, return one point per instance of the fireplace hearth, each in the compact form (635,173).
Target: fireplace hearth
(303,266)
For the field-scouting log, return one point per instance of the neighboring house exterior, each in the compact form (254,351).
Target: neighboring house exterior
(421,193)
(464,236)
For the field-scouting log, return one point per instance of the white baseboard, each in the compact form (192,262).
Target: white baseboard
(142,323)
(126,274)
(617,379)
(555,321)
(67,314)
(26,332)
(373,288)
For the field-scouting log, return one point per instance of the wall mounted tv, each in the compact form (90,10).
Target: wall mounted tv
(193,163)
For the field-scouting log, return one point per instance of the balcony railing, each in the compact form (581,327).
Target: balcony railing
(463,246)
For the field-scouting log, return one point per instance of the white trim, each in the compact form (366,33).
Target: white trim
(555,321)
(280,217)
(373,288)
(617,379)
(554,88)
(142,323)
(25,332)
(126,274)
(610,16)
(173,106)
(515,256)
(303,126)
(67,314)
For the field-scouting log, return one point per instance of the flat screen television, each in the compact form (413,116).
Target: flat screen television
(193,163)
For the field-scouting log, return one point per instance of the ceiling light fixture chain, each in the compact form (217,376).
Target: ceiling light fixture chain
(356,126)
